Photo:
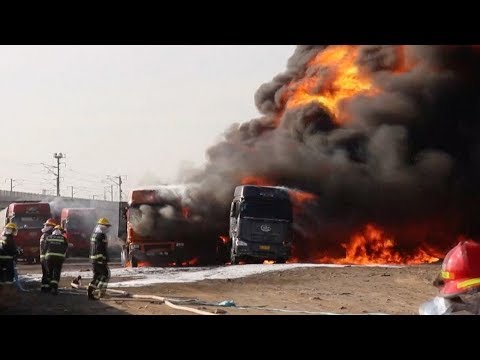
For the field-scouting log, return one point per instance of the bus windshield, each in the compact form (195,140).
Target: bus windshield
(281,210)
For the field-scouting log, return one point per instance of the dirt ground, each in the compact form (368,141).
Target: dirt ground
(344,290)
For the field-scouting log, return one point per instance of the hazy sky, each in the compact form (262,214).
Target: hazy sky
(139,111)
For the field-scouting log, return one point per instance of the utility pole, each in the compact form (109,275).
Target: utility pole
(71,187)
(119,189)
(117,180)
(58,156)
(111,192)
(11,185)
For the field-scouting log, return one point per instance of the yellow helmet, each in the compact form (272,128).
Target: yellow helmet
(50,222)
(103,221)
(11,226)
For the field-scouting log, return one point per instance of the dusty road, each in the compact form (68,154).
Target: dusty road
(288,290)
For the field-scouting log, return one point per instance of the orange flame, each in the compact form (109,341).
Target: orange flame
(224,239)
(299,197)
(341,81)
(185,212)
(373,246)
(193,262)
(268,262)
(256,180)
(144,264)
(293,260)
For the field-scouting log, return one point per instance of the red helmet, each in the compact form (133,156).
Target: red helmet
(461,269)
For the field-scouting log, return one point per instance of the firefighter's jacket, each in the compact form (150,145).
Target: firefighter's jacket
(8,249)
(98,248)
(43,243)
(55,246)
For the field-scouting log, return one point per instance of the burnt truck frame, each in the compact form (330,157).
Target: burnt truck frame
(163,248)
(78,224)
(260,224)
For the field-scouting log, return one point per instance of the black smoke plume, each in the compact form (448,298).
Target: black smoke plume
(408,158)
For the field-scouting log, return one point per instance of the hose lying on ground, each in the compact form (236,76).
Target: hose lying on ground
(173,302)
(76,284)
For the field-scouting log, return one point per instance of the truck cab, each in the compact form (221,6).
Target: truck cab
(162,231)
(260,224)
(78,224)
(29,218)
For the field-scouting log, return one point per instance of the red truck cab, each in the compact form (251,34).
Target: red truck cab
(29,218)
(78,224)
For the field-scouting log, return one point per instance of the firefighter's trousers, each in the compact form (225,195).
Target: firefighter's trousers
(7,269)
(54,266)
(101,275)
(45,276)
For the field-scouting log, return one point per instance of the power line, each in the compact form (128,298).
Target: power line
(83,173)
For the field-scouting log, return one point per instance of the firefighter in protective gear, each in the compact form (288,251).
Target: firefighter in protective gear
(47,230)
(99,258)
(8,254)
(458,282)
(56,246)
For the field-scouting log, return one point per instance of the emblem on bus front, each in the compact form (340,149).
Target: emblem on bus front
(265,228)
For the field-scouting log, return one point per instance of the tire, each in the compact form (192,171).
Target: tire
(134,262)
(281,261)
(233,258)
(124,257)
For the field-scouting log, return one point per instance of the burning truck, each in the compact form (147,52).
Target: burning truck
(78,224)
(260,224)
(383,141)
(29,218)
(159,229)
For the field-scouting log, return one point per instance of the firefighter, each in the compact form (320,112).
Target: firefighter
(99,258)
(458,282)
(8,254)
(55,251)
(47,231)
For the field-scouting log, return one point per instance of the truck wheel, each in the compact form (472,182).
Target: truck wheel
(134,262)
(124,257)
(234,259)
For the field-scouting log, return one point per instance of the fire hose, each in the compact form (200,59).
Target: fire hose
(76,284)
(227,303)
(173,303)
